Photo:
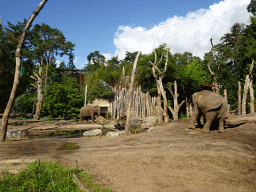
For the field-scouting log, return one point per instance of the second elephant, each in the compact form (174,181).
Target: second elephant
(211,105)
(89,110)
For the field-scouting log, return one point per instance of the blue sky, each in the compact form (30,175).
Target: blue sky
(116,26)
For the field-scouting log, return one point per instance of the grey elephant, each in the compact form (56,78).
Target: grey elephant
(211,105)
(89,110)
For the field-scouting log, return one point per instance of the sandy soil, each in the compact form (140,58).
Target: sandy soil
(169,158)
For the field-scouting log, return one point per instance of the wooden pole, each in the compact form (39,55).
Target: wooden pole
(85,95)
(246,85)
(239,98)
(252,108)
(128,113)
(17,69)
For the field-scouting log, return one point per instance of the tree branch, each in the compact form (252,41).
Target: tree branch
(33,78)
(34,85)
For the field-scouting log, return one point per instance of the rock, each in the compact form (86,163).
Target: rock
(112,134)
(101,120)
(92,132)
(133,124)
(146,125)
(152,119)
(20,134)
(151,128)
(61,122)
(16,134)
(111,126)
(121,132)
(136,120)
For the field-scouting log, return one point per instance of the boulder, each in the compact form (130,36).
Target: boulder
(152,119)
(110,126)
(133,124)
(151,128)
(112,134)
(92,132)
(101,120)
(16,134)
(146,125)
(136,120)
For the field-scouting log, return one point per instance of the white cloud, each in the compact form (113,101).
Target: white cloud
(58,63)
(190,33)
(107,56)
(75,60)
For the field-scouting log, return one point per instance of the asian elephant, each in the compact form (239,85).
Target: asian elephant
(89,110)
(211,105)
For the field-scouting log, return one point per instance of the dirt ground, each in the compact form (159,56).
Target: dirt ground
(169,158)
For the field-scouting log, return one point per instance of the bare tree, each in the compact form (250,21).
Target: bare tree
(128,112)
(215,82)
(38,86)
(239,98)
(247,85)
(17,69)
(1,20)
(159,82)
(175,95)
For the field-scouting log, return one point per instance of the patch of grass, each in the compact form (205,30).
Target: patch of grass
(53,134)
(46,177)
(183,116)
(133,130)
(9,141)
(69,146)
(88,181)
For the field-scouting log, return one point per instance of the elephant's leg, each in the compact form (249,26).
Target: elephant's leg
(221,124)
(209,116)
(92,116)
(199,120)
(195,114)
(81,118)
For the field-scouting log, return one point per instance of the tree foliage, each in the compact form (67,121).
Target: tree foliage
(62,99)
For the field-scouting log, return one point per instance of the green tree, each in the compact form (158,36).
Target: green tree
(46,41)
(63,99)
(9,37)
(95,59)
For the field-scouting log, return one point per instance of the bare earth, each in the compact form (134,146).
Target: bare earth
(169,158)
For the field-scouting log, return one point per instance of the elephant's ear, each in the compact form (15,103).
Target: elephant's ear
(213,102)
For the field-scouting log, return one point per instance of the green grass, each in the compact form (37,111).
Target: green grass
(69,146)
(9,141)
(46,177)
(74,132)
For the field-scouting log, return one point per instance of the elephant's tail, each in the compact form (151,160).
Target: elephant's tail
(223,109)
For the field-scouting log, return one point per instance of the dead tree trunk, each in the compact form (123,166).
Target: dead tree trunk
(215,83)
(176,108)
(252,108)
(160,83)
(239,98)
(128,112)
(39,86)
(17,69)
(85,95)
(247,83)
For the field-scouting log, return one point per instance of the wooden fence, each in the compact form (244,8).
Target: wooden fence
(143,105)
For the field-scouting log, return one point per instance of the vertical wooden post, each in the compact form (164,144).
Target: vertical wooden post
(252,108)
(239,98)
(85,95)
(128,113)
(246,85)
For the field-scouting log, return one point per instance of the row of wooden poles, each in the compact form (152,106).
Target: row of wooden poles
(143,105)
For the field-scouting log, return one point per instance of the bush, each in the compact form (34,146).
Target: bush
(63,99)
(24,103)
